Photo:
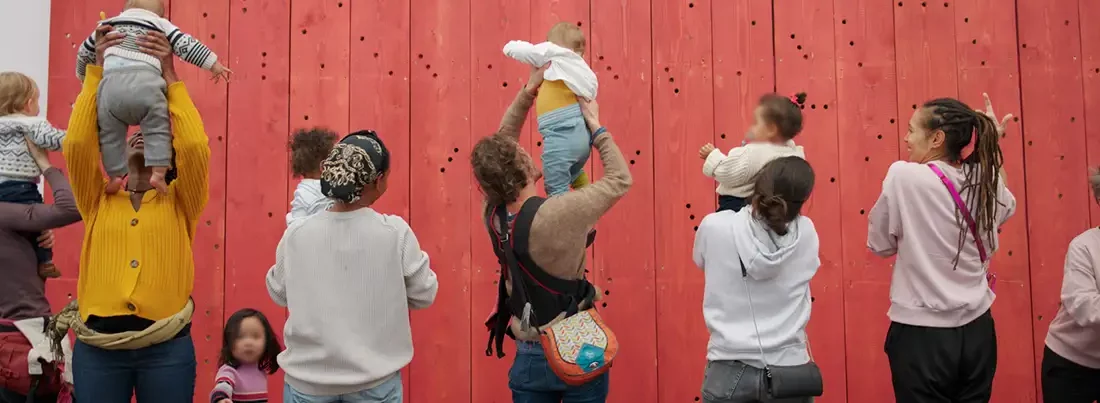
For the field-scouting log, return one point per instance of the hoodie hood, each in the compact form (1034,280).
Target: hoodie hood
(762,251)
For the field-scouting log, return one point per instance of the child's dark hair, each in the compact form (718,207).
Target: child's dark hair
(959,122)
(268,362)
(308,147)
(1094,180)
(781,188)
(784,112)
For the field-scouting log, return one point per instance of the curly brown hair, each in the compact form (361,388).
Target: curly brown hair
(308,147)
(501,168)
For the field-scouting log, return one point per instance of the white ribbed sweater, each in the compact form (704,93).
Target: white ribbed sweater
(736,171)
(348,280)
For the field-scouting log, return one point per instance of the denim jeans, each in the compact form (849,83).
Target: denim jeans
(731,203)
(737,382)
(162,373)
(532,380)
(388,392)
(26,193)
(566,146)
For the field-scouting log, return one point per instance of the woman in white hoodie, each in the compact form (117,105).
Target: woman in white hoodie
(768,251)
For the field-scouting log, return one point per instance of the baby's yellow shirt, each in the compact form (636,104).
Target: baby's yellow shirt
(553,95)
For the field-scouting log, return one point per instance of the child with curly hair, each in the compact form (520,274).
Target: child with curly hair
(308,148)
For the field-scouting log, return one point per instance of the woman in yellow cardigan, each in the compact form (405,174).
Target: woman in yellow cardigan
(136,265)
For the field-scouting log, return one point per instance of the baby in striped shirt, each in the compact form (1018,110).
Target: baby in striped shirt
(132,92)
(248,356)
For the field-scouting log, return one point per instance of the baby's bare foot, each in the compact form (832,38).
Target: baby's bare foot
(158,179)
(114,185)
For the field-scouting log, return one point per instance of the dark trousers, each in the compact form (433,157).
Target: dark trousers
(731,203)
(161,373)
(532,380)
(955,365)
(1065,381)
(7,396)
(26,193)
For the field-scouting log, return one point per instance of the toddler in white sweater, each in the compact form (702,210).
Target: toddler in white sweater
(778,119)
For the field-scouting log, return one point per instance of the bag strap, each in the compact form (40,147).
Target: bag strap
(514,271)
(965,211)
(748,293)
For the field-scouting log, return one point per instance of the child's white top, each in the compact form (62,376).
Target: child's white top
(308,200)
(136,22)
(16,162)
(736,171)
(565,65)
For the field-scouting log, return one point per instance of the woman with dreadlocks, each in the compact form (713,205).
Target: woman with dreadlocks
(939,213)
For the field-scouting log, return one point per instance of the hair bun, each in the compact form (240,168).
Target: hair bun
(800,98)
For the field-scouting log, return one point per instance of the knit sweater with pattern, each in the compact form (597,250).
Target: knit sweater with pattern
(135,23)
(16,162)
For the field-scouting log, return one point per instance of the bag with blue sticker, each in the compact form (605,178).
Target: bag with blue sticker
(580,347)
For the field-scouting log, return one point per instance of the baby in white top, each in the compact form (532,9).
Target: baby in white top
(308,148)
(778,119)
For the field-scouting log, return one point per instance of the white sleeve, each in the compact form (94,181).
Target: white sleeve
(527,53)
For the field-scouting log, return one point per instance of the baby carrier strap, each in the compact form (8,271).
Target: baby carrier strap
(537,297)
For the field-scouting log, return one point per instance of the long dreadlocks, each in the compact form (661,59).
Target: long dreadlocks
(982,167)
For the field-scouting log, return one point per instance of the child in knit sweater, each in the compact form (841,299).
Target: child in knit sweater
(132,92)
(778,119)
(248,356)
(566,140)
(19,122)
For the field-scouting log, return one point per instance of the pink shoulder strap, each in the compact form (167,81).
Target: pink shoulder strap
(966,215)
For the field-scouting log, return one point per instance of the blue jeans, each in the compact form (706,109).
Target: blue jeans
(532,380)
(388,392)
(26,193)
(731,203)
(162,373)
(566,146)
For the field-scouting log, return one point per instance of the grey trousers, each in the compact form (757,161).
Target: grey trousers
(737,382)
(133,96)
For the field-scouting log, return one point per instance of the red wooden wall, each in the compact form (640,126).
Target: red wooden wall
(430,77)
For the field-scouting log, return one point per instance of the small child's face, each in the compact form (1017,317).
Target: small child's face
(32,109)
(250,343)
(761,130)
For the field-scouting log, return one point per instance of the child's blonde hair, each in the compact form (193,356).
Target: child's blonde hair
(156,6)
(16,91)
(568,36)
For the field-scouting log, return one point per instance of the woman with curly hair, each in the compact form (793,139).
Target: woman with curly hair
(1071,359)
(348,277)
(939,212)
(549,237)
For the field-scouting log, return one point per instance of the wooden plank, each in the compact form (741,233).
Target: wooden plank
(440,206)
(809,23)
(70,24)
(744,66)
(683,118)
(1090,60)
(379,96)
(925,44)
(208,21)
(1054,148)
(991,65)
(619,47)
(495,80)
(259,55)
(867,93)
(319,68)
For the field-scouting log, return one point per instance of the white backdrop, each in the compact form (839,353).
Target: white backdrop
(25,42)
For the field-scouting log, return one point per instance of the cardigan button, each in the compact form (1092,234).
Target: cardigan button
(134,263)
(131,307)
(133,222)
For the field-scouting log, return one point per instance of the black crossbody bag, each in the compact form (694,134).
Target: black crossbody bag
(784,382)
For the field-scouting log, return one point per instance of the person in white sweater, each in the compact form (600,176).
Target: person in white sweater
(758,263)
(778,119)
(349,276)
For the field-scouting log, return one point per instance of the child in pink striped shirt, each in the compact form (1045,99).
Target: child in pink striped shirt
(249,351)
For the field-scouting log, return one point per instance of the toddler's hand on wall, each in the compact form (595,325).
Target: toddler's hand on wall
(705,150)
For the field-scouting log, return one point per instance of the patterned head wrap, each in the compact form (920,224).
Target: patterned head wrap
(358,160)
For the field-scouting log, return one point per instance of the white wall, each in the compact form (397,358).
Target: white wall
(25,41)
